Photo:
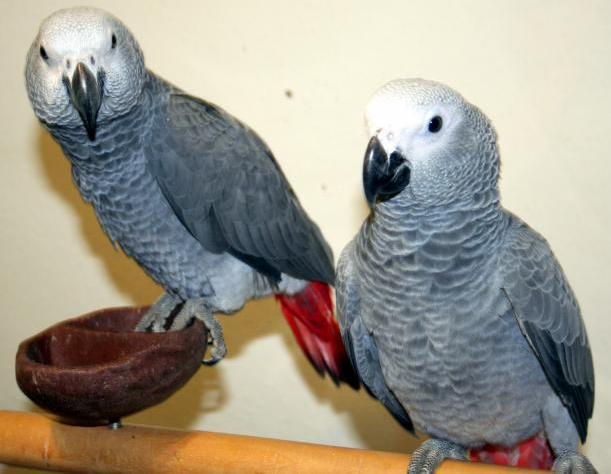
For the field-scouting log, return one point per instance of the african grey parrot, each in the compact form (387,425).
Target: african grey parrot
(454,312)
(189,192)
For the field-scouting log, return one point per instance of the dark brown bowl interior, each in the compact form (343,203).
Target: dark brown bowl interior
(96,368)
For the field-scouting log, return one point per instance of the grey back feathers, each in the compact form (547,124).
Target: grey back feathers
(225,186)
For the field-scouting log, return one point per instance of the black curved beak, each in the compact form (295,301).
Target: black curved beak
(383,177)
(86,94)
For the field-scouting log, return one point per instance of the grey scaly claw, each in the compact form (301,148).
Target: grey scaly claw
(573,463)
(154,319)
(216,341)
(182,319)
(427,458)
(200,310)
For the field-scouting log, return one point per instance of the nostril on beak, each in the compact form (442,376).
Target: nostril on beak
(92,60)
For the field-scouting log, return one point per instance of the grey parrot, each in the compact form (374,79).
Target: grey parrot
(186,190)
(455,313)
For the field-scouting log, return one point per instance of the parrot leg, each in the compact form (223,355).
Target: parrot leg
(563,438)
(155,318)
(197,308)
(573,463)
(427,458)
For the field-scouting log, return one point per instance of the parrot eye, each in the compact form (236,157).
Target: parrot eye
(435,124)
(43,53)
(113,41)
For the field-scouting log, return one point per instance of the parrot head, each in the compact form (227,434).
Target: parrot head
(83,67)
(427,145)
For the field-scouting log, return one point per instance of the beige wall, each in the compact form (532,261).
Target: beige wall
(541,71)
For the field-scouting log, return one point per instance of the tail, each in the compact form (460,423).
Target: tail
(310,316)
(533,453)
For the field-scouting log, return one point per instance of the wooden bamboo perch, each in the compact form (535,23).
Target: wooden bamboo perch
(36,441)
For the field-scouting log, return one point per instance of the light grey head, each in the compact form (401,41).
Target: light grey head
(84,67)
(427,144)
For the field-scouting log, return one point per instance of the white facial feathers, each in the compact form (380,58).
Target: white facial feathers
(404,108)
(98,41)
(77,33)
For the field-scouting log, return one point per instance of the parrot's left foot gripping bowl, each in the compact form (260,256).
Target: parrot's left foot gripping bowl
(97,368)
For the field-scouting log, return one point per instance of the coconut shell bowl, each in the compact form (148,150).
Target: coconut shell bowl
(96,368)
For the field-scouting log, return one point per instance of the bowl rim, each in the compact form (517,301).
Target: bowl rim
(26,363)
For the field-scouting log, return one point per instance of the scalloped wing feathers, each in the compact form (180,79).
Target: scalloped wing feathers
(550,319)
(223,183)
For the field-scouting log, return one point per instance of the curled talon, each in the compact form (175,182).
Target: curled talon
(573,463)
(217,353)
(427,458)
(199,309)
(217,343)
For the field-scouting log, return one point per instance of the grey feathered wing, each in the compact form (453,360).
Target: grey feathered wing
(359,342)
(549,317)
(224,185)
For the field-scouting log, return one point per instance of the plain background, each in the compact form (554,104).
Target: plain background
(300,73)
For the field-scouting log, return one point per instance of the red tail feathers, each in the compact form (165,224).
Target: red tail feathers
(310,315)
(534,453)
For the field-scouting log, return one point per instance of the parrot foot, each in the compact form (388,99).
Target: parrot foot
(427,458)
(155,318)
(200,310)
(573,463)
